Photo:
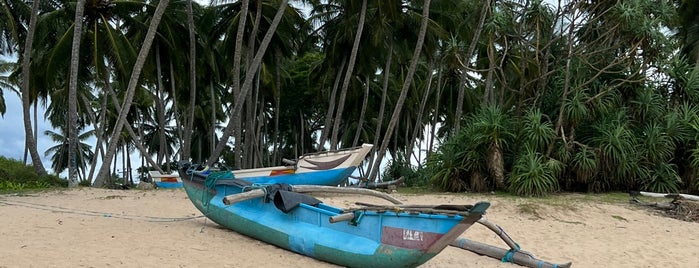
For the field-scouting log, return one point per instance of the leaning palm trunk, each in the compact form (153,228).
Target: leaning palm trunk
(404,91)
(247,84)
(464,71)
(29,135)
(348,76)
(130,92)
(360,124)
(418,121)
(331,107)
(382,108)
(98,132)
(134,137)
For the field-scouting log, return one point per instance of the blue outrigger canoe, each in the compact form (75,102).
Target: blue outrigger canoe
(367,236)
(321,168)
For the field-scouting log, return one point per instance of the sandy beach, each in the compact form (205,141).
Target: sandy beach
(89,227)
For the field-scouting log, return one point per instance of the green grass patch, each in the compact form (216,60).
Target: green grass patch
(15,176)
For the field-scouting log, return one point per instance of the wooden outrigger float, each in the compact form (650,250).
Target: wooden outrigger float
(514,254)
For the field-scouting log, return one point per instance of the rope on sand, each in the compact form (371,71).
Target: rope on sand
(58,209)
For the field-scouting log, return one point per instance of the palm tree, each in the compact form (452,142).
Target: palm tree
(26,90)
(130,91)
(485,9)
(5,84)
(348,76)
(247,83)
(60,156)
(192,82)
(12,16)
(689,29)
(72,93)
(406,86)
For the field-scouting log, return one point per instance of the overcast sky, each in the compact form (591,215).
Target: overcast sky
(12,131)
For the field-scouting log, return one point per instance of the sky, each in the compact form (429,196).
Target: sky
(12,131)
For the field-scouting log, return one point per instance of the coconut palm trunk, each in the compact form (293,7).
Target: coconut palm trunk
(160,108)
(404,91)
(382,107)
(348,76)
(247,84)
(360,124)
(464,69)
(331,107)
(418,120)
(26,62)
(130,92)
(186,149)
(237,55)
(73,94)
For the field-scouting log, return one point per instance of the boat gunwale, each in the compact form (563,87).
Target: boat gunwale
(335,151)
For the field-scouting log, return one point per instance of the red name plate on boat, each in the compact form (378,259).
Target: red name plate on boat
(281,172)
(406,238)
(168,179)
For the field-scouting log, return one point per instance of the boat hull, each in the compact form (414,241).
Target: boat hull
(166,180)
(331,177)
(308,231)
(322,168)
(168,185)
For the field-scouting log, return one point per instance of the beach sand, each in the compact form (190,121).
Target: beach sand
(89,227)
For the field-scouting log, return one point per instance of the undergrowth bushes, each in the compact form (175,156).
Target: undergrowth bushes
(15,176)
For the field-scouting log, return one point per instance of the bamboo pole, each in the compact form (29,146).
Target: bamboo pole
(500,232)
(514,256)
(341,190)
(374,185)
(341,217)
(234,198)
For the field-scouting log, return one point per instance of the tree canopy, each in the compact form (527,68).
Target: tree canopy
(526,96)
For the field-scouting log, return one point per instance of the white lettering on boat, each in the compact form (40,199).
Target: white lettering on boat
(412,235)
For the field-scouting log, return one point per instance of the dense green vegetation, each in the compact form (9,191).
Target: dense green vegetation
(526,96)
(16,176)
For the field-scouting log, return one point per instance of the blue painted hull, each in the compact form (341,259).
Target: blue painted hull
(331,177)
(168,185)
(380,239)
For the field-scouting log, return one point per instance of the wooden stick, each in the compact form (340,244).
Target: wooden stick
(500,232)
(514,256)
(342,190)
(374,185)
(235,198)
(341,217)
